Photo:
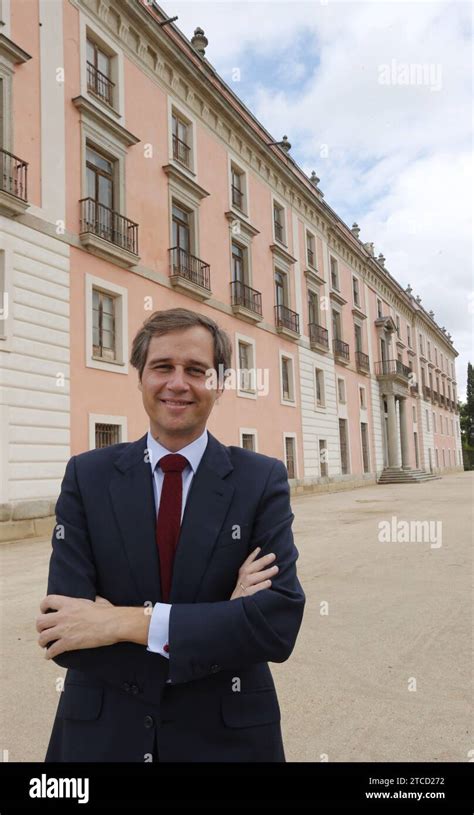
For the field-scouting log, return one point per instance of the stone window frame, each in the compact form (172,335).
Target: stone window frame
(102,418)
(121,365)
(243,338)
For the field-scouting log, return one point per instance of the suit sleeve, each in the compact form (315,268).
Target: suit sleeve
(72,572)
(207,637)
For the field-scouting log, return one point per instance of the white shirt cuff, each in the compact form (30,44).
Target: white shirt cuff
(159,629)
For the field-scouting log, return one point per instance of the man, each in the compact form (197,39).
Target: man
(172,579)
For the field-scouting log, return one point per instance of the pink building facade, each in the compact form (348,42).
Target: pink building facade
(135,180)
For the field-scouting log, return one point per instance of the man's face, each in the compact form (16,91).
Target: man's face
(173,385)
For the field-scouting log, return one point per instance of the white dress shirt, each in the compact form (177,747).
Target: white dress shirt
(159,623)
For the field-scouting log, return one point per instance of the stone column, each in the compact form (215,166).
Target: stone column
(404,435)
(392,431)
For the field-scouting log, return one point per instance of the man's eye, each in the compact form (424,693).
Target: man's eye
(196,370)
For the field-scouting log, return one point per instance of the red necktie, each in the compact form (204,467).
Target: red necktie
(169,517)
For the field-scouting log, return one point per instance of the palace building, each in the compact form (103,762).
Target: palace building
(134,179)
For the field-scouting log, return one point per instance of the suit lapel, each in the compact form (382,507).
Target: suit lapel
(209,497)
(131,490)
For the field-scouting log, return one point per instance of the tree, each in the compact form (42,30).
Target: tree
(466,419)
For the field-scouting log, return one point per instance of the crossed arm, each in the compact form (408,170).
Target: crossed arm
(92,635)
(78,623)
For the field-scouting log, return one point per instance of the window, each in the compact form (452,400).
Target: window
(313,307)
(423,376)
(436,356)
(379,308)
(414,414)
(341,391)
(422,350)
(246,367)
(103,326)
(107,434)
(281,289)
(408,336)
(106,326)
(336,324)
(343,446)
(279,222)
(248,441)
(290,456)
(428,421)
(323,457)
(365,446)
(397,320)
(287,388)
(362,399)
(334,274)
(310,250)
(434,422)
(319,382)
(181,229)
(437,458)
(358,337)
(99,72)
(237,188)
(180,136)
(355,291)
(239,263)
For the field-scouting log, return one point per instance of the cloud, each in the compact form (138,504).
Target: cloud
(398,155)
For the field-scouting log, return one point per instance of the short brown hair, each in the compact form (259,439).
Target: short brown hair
(175,319)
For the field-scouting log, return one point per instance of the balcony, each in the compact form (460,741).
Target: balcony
(189,274)
(341,351)
(442,400)
(108,233)
(362,362)
(318,337)
(427,392)
(13,184)
(287,321)
(245,301)
(435,397)
(414,388)
(100,84)
(181,151)
(392,369)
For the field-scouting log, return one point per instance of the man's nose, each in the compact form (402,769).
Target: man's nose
(177,379)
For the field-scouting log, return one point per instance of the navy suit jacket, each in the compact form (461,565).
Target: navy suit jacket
(221,704)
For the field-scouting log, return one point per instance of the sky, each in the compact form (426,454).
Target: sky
(376,98)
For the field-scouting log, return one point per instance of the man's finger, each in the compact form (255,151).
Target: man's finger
(260,577)
(259,564)
(53,601)
(45,621)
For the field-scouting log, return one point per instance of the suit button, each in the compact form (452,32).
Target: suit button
(135,689)
(148,721)
(126,686)
(215,668)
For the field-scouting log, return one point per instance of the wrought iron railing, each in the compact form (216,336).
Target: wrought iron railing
(318,335)
(183,264)
(243,295)
(286,318)
(14,175)
(108,224)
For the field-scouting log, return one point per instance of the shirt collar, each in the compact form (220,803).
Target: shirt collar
(193,451)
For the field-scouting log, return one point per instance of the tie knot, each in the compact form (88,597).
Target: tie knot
(173,463)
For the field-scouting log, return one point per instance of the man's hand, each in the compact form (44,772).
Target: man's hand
(75,623)
(253,575)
